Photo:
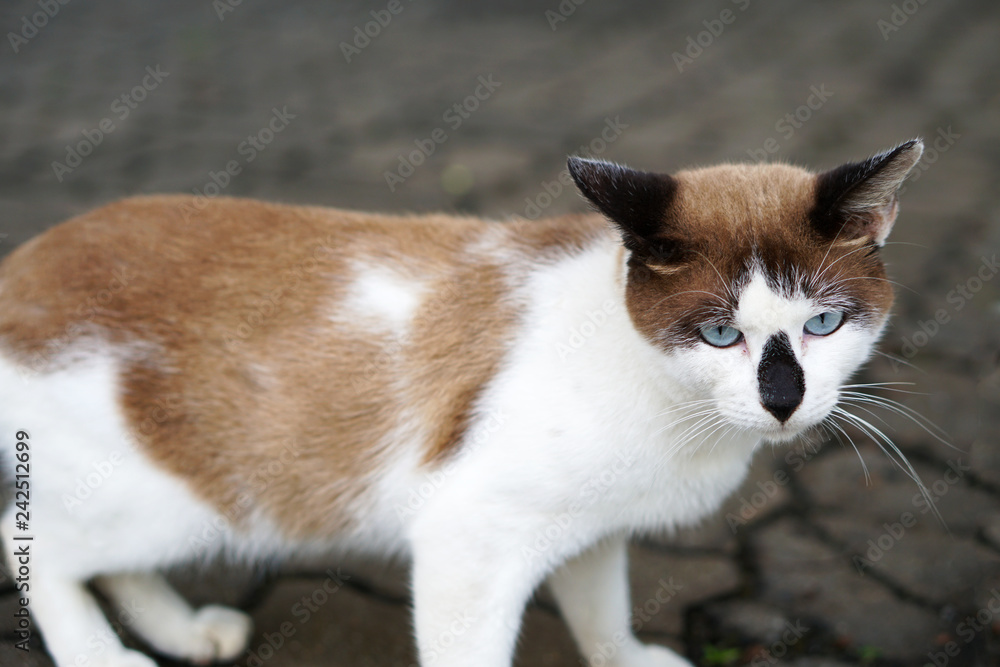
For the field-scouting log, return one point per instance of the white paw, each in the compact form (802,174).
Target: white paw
(220,633)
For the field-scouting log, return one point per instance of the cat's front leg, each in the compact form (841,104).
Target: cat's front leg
(470,588)
(593,594)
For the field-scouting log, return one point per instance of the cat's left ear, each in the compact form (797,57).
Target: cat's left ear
(859,199)
(636,201)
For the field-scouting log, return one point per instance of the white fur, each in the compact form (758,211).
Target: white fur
(382,299)
(587,434)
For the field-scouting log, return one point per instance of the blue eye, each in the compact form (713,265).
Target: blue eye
(824,324)
(720,336)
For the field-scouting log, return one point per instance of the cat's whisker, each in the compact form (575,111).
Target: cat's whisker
(886,444)
(725,282)
(829,248)
(694,415)
(892,357)
(915,245)
(888,386)
(885,280)
(724,434)
(671,296)
(838,429)
(905,411)
(814,279)
(709,417)
(684,405)
(706,434)
(682,441)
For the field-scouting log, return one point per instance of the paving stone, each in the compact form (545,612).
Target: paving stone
(355,119)
(815,584)
(312,623)
(12,657)
(950,397)
(545,642)
(926,562)
(765,491)
(218,583)
(9,605)
(990,526)
(837,480)
(350,629)
(665,584)
(749,620)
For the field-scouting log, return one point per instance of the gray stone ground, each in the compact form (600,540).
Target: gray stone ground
(786,551)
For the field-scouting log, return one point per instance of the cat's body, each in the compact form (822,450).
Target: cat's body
(504,403)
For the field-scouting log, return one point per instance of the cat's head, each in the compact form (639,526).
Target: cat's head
(762,284)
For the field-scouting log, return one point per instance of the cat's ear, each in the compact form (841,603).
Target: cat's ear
(636,201)
(859,199)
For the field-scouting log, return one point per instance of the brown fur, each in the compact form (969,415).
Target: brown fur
(222,314)
(225,316)
(725,218)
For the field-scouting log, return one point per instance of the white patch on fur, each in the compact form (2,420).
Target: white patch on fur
(382,299)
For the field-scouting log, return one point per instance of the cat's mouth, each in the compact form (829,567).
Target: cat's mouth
(786,432)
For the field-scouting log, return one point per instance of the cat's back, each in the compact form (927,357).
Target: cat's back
(173,262)
(237,332)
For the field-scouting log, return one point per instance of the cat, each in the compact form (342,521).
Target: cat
(503,402)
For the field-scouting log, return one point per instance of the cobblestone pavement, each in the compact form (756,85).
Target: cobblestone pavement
(810,563)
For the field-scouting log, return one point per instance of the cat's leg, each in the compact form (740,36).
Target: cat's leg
(470,588)
(158,614)
(75,629)
(593,594)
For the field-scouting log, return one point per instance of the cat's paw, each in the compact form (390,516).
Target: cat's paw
(219,633)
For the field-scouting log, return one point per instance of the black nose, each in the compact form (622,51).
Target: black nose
(779,376)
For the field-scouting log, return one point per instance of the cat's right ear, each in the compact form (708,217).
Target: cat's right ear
(858,199)
(636,201)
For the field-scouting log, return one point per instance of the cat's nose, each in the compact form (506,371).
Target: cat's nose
(780,378)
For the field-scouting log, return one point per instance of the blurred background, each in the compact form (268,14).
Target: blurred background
(422,105)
